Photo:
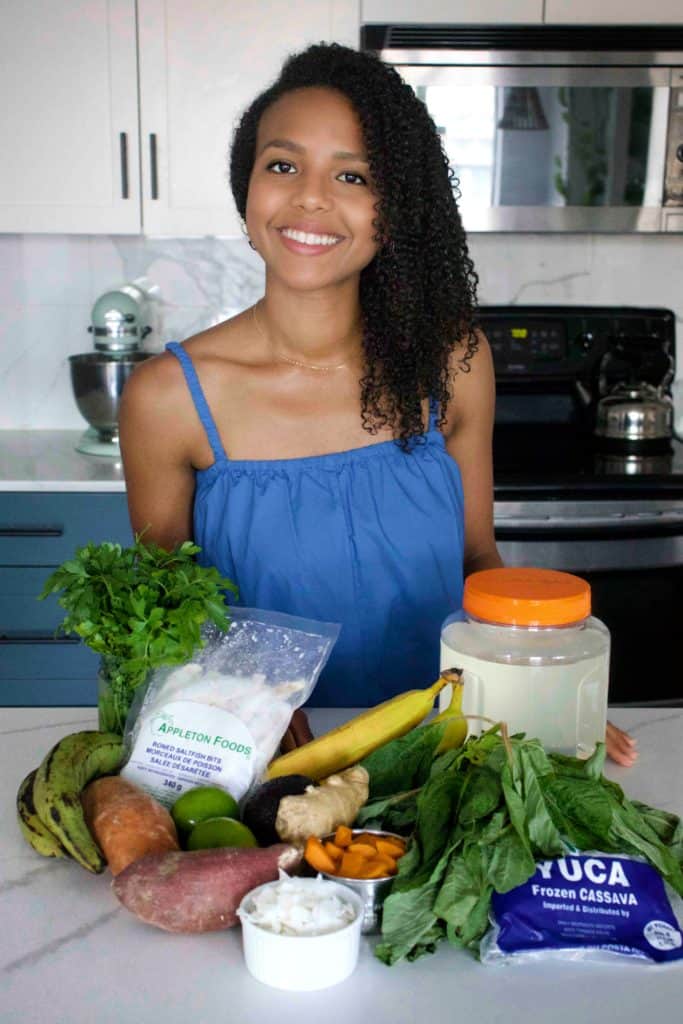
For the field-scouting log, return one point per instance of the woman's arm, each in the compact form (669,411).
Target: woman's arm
(468,432)
(157,423)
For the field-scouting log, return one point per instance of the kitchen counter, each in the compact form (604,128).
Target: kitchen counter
(47,460)
(69,954)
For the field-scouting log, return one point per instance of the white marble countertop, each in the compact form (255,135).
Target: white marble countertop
(69,954)
(47,460)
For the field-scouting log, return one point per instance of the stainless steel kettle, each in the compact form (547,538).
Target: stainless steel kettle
(635,412)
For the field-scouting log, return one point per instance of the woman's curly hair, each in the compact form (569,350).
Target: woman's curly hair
(418,294)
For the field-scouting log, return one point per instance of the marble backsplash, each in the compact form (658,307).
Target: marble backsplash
(48,284)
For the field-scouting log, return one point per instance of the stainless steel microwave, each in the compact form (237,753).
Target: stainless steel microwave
(552,128)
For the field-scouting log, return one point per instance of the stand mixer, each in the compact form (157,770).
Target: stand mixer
(98,378)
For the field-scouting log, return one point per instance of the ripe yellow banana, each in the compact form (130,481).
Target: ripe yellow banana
(351,742)
(36,834)
(456,730)
(57,786)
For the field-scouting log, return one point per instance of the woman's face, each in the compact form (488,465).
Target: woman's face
(310,206)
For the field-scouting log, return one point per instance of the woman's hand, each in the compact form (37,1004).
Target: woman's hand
(620,746)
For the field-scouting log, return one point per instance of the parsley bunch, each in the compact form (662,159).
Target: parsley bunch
(139,607)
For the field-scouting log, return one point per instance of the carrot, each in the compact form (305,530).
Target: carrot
(318,857)
(374,869)
(360,856)
(390,847)
(364,849)
(352,865)
(126,822)
(343,836)
(388,863)
(335,852)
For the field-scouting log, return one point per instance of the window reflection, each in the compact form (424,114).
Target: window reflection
(549,145)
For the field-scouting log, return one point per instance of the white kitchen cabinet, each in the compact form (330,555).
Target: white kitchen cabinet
(69,117)
(200,65)
(614,12)
(451,12)
(71,71)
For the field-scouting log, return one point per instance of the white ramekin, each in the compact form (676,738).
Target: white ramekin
(301,963)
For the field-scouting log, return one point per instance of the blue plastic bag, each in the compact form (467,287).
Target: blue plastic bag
(585,906)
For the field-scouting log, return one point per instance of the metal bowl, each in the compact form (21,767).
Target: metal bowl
(372,891)
(98,379)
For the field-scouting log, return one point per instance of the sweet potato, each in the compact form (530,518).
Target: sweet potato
(126,822)
(199,890)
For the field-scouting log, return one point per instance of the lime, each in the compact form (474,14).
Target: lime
(220,832)
(201,803)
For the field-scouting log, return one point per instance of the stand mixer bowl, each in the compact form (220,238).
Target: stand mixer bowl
(98,379)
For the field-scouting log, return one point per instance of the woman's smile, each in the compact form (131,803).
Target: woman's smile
(309,242)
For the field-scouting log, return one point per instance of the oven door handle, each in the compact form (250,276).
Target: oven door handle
(536,528)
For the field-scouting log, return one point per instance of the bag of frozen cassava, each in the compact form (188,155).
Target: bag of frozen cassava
(218,719)
(586,906)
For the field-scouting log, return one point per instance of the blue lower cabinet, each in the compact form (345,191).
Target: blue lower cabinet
(45,528)
(39,531)
(51,673)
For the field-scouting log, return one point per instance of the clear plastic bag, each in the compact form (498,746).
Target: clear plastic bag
(218,720)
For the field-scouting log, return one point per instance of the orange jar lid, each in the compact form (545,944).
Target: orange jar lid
(527,597)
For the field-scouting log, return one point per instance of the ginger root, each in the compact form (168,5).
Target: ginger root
(321,809)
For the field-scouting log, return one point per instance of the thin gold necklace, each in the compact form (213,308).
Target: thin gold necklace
(295,362)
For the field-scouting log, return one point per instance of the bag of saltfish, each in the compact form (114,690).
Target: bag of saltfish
(586,906)
(218,719)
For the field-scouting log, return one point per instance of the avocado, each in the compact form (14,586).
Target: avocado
(260,808)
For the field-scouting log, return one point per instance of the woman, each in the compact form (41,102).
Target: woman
(329,449)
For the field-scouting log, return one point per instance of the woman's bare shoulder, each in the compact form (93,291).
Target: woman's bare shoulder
(162,374)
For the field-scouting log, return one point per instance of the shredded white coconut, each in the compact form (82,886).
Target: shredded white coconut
(291,908)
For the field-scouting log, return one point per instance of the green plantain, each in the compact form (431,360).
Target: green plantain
(64,772)
(32,828)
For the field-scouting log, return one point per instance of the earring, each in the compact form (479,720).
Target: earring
(243,225)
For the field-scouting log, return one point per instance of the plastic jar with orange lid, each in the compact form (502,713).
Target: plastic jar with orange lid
(533,656)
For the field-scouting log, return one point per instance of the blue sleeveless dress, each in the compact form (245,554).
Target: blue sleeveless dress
(371,538)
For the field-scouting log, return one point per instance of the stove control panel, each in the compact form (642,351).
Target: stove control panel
(519,344)
(574,342)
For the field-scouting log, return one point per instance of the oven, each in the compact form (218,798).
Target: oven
(611,512)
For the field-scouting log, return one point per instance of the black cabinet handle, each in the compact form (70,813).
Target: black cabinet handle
(153,168)
(123,147)
(37,638)
(31,531)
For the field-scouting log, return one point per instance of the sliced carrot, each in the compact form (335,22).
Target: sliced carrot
(351,865)
(364,849)
(390,847)
(318,857)
(375,869)
(365,837)
(343,836)
(334,851)
(388,862)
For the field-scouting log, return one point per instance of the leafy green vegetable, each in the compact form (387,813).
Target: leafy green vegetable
(139,607)
(482,816)
(405,762)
